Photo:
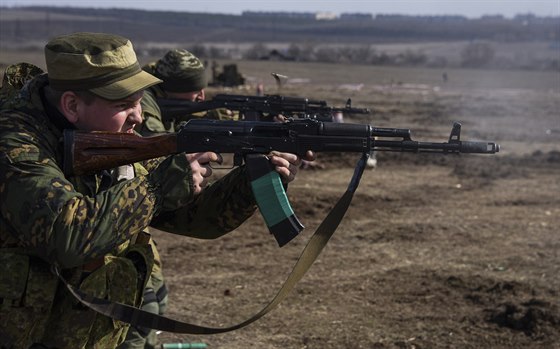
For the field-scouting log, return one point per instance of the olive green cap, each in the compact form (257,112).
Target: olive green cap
(181,71)
(103,64)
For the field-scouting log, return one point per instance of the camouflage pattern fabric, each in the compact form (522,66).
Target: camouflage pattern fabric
(155,292)
(181,71)
(23,324)
(115,280)
(15,76)
(237,206)
(52,219)
(178,62)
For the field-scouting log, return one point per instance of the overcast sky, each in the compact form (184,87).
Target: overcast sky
(468,8)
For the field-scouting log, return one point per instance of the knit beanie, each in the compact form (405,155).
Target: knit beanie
(180,71)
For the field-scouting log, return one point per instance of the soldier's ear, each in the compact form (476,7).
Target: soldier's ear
(69,106)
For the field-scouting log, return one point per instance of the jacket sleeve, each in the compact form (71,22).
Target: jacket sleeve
(220,208)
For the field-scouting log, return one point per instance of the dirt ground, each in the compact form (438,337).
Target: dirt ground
(434,252)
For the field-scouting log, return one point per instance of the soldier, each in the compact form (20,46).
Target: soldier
(184,78)
(90,227)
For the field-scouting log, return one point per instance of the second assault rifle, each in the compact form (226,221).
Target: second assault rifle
(250,141)
(267,106)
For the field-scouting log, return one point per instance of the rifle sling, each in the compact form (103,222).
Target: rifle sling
(317,242)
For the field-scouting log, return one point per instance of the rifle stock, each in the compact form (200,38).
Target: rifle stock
(88,152)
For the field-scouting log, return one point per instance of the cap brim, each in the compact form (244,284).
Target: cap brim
(126,87)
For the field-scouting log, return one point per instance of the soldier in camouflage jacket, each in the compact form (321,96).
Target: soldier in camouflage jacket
(88,226)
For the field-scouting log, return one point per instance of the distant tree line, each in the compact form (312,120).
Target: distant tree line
(472,55)
(348,39)
(26,23)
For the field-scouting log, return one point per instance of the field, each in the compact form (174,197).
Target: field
(434,252)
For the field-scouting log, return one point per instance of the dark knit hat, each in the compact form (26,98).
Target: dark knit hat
(180,71)
(103,64)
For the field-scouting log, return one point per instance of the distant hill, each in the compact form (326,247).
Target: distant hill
(23,24)
(524,42)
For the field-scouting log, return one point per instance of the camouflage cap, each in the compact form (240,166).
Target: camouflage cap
(181,71)
(103,64)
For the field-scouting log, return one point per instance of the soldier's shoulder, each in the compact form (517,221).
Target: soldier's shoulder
(15,77)
(149,103)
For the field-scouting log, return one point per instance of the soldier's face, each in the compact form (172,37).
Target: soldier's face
(112,116)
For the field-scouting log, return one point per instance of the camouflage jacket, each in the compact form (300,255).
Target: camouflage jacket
(49,218)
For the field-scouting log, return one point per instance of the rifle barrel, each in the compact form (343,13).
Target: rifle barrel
(429,147)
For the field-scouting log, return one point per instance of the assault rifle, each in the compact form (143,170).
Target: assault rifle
(250,141)
(267,106)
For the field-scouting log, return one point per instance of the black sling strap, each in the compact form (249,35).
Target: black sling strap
(317,242)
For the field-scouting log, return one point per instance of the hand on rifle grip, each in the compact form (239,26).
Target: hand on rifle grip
(287,164)
(279,118)
(201,168)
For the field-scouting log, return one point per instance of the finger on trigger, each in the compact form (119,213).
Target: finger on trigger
(207,157)
(220,158)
